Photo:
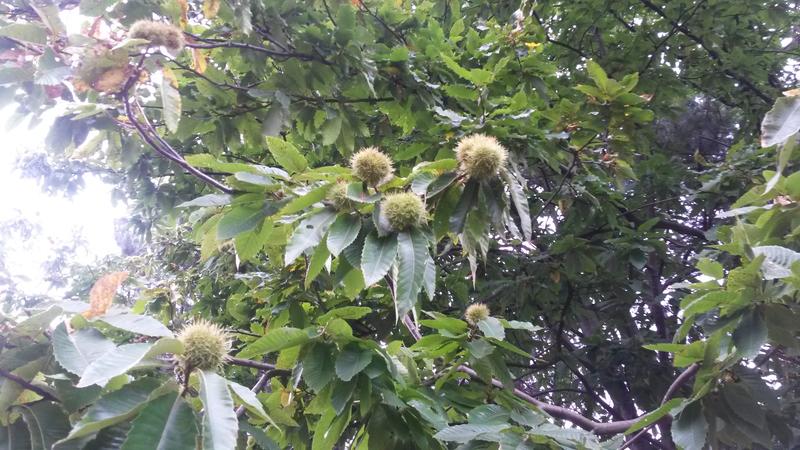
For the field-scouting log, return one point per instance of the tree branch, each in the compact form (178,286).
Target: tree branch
(27,385)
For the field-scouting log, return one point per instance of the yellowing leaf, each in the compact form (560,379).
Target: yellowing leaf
(199,61)
(210,8)
(102,293)
(184,4)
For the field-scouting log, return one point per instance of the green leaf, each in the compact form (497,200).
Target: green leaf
(137,323)
(113,363)
(308,233)
(277,339)
(343,232)
(75,352)
(329,428)
(412,256)
(492,327)
(249,399)
(751,334)
(15,436)
(317,263)
(47,424)
(347,312)
(711,268)
(689,430)
(377,257)
(220,425)
(318,366)
(304,201)
(113,408)
(468,432)
(124,358)
(238,220)
(10,391)
(208,200)
(286,155)
(170,99)
(465,203)
(165,423)
(520,200)
(331,129)
(351,361)
(781,122)
(25,32)
(778,261)
(655,415)
(597,74)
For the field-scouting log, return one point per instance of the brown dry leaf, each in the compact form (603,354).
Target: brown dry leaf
(210,8)
(102,293)
(792,92)
(198,61)
(184,12)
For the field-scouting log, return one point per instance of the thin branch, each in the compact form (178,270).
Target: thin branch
(682,379)
(27,385)
(215,43)
(250,363)
(262,381)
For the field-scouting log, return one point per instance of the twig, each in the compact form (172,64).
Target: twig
(673,388)
(262,381)
(27,385)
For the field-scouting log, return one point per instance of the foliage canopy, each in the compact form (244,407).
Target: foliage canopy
(581,231)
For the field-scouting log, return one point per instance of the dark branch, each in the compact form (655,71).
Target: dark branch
(27,385)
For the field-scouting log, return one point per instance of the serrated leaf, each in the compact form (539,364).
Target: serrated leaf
(351,361)
(492,327)
(170,99)
(277,339)
(346,312)
(331,129)
(781,122)
(304,201)
(75,352)
(711,268)
(165,423)
(308,233)
(137,323)
(10,391)
(343,232)
(468,432)
(689,430)
(412,256)
(208,200)
(377,257)
(249,399)
(220,425)
(47,424)
(778,261)
(318,366)
(520,203)
(113,363)
(751,334)
(238,220)
(318,260)
(113,408)
(286,155)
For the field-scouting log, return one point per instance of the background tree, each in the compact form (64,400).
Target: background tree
(588,171)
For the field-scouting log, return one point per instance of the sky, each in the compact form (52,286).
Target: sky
(89,214)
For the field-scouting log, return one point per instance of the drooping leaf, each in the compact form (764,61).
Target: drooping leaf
(165,423)
(249,399)
(412,257)
(342,233)
(318,366)
(286,155)
(170,99)
(468,432)
(137,323)
(689,430)
(351,361)
(781,122)
(377,257)
(46,422)
(220,425)
(75,352)
(114,407)
(308,233)
(277,339)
